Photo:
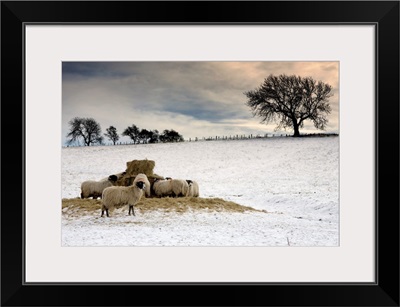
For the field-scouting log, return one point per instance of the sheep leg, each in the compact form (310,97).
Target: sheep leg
(133,210)
(102,212)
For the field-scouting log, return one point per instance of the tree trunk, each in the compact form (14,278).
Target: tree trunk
(296,129)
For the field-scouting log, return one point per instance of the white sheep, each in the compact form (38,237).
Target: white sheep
(162,187)
(193,188)
(121,195)
(170,187)
(143,177)
(94,189)
(180,187)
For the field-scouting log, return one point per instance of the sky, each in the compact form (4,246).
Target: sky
(197,99)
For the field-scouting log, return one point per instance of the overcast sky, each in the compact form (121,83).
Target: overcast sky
(197,99)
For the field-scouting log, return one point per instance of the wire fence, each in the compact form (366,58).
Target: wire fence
(236,137)
(217,138)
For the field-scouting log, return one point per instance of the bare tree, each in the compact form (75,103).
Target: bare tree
(144,136)
(86,129)
(154,136)
(112,134)
(290,100)
(169,136)
(133,132)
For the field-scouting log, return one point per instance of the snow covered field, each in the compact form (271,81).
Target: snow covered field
(296,180)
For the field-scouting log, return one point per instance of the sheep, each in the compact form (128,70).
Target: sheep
(162,187)
(143,177)
(171,187)
(121,195)
(193,188)
(94,189)
(179,187)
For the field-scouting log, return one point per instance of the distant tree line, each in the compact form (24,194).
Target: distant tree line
(88,130)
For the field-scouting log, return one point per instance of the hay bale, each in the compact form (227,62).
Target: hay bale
(140,166)
(135,167)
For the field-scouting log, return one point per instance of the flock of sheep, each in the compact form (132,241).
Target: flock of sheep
(113,195)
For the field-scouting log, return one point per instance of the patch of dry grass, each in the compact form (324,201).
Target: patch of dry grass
(168,204)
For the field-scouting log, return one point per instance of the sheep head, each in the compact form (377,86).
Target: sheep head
(141,185)
(112,178)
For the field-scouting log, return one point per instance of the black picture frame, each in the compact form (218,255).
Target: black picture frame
(383,14)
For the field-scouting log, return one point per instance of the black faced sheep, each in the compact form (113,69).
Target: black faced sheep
(121,195)
(193,188)
(94,189)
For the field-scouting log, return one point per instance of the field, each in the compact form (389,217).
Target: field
(256,192)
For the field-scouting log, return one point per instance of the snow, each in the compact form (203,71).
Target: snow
(296,180)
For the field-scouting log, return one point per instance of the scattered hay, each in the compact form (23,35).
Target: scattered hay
(167,204)
(85,204)
(183,204)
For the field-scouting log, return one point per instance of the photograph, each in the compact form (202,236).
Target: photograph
(229,153)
